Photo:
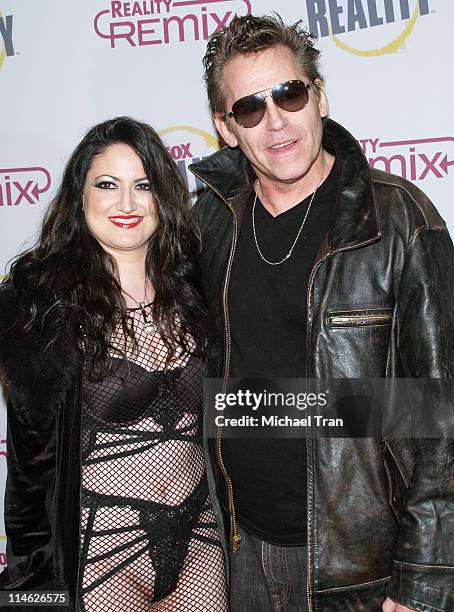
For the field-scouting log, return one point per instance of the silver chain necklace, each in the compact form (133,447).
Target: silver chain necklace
(277,263)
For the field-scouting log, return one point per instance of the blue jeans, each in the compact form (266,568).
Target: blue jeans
(268,578)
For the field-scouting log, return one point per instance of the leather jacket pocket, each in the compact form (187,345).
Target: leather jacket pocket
(397,487)
(360,318)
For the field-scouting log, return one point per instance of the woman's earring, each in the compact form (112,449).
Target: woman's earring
(83,203)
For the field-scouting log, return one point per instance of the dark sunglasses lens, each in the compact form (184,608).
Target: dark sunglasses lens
(291,96)
(249,111)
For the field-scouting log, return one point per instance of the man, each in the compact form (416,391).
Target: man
(316,266)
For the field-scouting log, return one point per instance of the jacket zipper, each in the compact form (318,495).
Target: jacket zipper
(234,535)
(308,443)
(348,319)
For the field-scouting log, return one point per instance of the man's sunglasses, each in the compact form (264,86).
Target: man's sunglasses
(290,96)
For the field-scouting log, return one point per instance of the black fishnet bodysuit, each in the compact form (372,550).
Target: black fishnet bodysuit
(149,538)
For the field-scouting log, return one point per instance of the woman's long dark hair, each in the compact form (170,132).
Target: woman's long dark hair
(70,273)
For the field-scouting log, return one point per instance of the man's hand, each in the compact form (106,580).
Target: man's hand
(391,606)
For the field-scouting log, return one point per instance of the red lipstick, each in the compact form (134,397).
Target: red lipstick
(126,221)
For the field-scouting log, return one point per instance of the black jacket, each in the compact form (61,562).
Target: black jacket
(380,512)
(43,370)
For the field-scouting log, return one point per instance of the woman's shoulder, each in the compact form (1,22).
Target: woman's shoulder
(8,293)
(10,311)
(15,306)
(12,343)
(38,356)
(17,344)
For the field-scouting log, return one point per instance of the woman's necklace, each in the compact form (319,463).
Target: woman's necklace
(149,326)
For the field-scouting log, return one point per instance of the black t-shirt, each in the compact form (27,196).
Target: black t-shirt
(267,311)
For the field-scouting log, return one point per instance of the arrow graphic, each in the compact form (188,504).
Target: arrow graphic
(444,164)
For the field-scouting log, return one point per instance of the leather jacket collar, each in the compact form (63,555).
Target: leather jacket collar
(230,175)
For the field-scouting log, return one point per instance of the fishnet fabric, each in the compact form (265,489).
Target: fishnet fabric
(149,538)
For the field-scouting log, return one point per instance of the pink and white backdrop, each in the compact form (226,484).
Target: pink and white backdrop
(65,66)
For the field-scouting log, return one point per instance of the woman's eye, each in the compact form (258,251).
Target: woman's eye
(105,185)
(143,186)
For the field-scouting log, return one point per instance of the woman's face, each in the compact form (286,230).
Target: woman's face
(119,209)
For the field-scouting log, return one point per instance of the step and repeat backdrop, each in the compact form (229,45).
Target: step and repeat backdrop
(65,66)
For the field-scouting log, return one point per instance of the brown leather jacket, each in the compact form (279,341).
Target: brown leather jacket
(380,512)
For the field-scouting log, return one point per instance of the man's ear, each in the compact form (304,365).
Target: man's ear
(322,99)
(221,125)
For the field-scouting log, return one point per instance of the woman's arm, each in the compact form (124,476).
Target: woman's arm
(28,498)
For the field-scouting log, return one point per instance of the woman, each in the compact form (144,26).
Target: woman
(102,333)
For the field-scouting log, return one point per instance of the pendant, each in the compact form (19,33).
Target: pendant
(149,327)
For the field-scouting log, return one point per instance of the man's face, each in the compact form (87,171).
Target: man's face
(284,145)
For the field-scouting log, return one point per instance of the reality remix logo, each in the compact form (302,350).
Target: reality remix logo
(414,159)
(23,185)
(188,145)
(6,37)
(162,22)
(366,27)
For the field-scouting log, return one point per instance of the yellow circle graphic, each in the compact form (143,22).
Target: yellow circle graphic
(392,47)
(3,51)
(209,139)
